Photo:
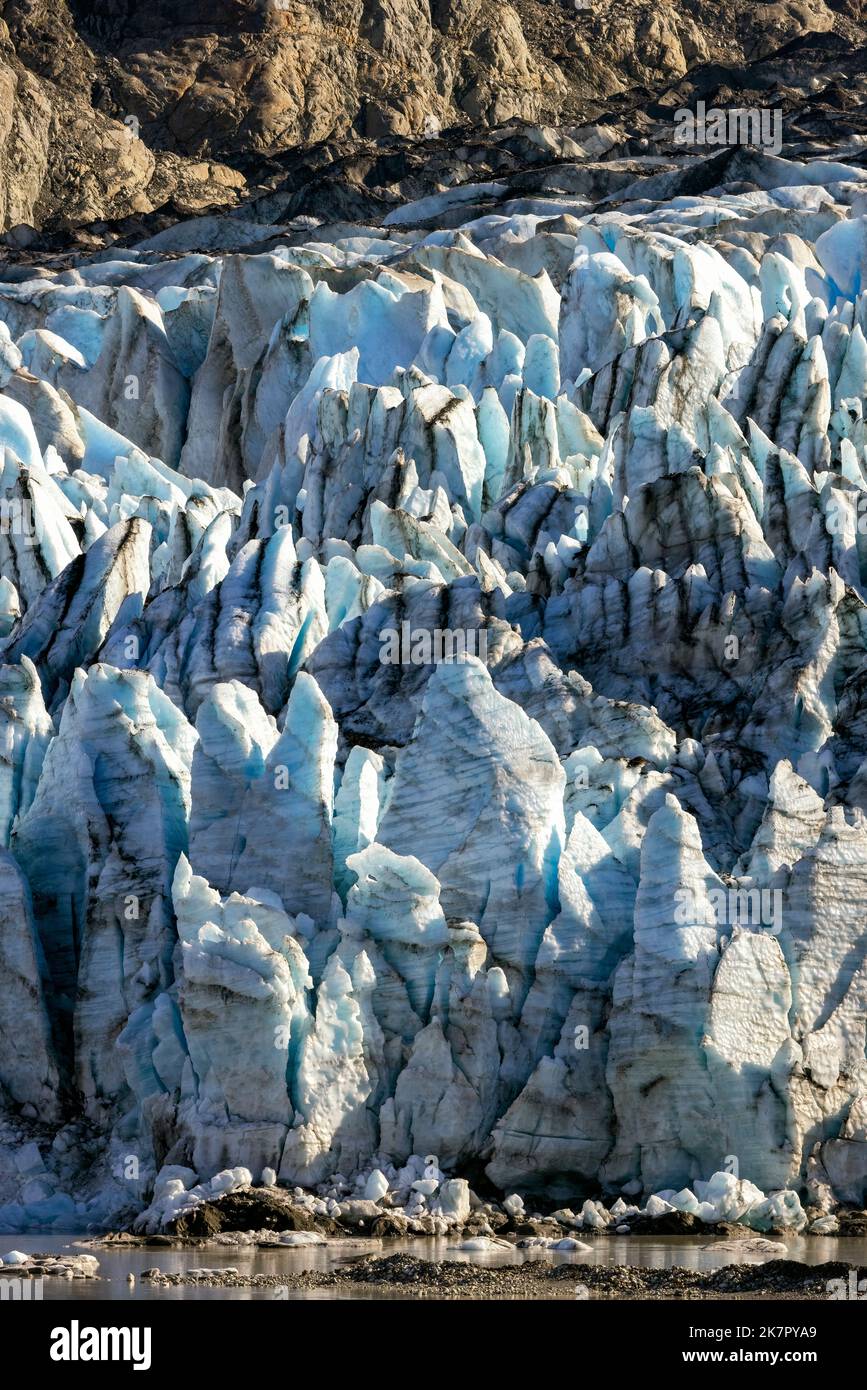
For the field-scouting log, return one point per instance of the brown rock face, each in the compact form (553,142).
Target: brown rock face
(252,1209)
(112,110)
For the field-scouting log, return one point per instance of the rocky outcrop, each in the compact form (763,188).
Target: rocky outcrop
(116,115)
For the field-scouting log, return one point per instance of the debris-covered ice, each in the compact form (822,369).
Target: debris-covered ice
(434,711)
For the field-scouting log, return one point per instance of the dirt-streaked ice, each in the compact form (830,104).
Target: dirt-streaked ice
(580,897)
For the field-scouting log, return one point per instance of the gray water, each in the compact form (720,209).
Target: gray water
(653,1252)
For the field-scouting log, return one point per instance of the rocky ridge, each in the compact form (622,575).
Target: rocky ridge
(117,113)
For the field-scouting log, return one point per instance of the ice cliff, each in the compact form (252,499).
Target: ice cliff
(583,904)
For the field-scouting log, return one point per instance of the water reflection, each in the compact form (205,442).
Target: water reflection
(653,1252)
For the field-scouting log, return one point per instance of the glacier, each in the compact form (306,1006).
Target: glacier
(578,912)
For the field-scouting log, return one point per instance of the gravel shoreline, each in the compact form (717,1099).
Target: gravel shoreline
(402,1276)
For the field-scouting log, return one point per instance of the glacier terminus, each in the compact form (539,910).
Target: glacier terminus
(433,705)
